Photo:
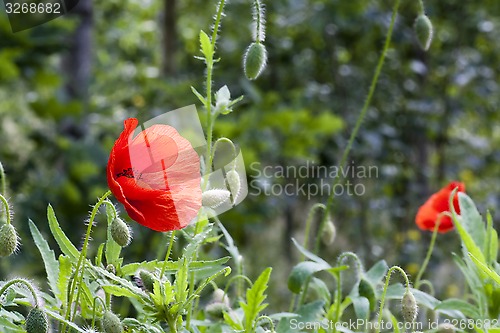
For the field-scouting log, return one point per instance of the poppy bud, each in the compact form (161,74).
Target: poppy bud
(328,233)
(446,328)
(367,290)
(409,307)
(214,198)
(147,280)
(234,182)
(218,305)
(120,232)
(111,268)
(111,323)
(424,31)
(255,60)
(36,321)
(8,240)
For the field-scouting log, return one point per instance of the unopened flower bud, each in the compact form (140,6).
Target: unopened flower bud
(424,31)
(234,182)
(120,232)
(255,60)
(328,233)
(36,321)
(214,198)
(409,307)
(111,323)
(111,268)
(367,290)
(147,280)
(218,305)
(446,328)
(8,240)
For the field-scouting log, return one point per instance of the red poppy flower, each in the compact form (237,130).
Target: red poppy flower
(428,213)
(156,176)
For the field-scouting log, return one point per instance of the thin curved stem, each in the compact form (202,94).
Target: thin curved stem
(384,292)
(167,255)
(309,222)
(23,282)
(81,261)
(3,186)
(430,249)
(359,121)
(6,207)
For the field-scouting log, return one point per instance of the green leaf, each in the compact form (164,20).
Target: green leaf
(472,220)
(181,281)
(361,307)
(309,254)
(48,257)
(467,309)
(206,46)
(301,272)
(120,291)
(202,99)
(65,272)
(377,272)
(492,237)
(482,267)
(62,240)
(255,299)
(321,289)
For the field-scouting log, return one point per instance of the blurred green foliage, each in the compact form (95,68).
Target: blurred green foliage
(434,116)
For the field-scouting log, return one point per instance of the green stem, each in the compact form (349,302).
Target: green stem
(338,301)
(258,18)
(167,255)
(81,261)
(6,208)
(384,292)
(23,282)
(94,308)
(430,249)
(3,186)
(359,121)
(421,8)
(268,319)
(309,223)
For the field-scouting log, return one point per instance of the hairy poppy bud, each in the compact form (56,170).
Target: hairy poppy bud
(255,60)
(36,321)
(218,305)
(111,323)
(409,307)
(328,233)
(111,268)
(424,31)
(214,198)
(120,232)
(147,280)
(234,182)
(366,289)
(8,240)
(446,328)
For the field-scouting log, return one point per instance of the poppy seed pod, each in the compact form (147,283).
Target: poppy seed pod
(255,60)
(409,307)
(8,240)
(424,31)
(214,198)
(234,182)
(111,323)
(36,321)
(120,232)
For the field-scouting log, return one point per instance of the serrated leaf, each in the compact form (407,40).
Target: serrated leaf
(62,240)
(206,46)
(119,291)
(48,257)
(181,281)
(301,272)
(255,297)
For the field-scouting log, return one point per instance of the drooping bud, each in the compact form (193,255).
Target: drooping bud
(367,290)
(8,240)
(147,280)
(446,328)
(111,323)
(218,305)
(120,232)
(234,182)
(255,60)
(36,321)
(328,233)
(424,31)
(214,198)
(409,307)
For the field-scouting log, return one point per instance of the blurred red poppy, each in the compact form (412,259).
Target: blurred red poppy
(156,176)
(428,213)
